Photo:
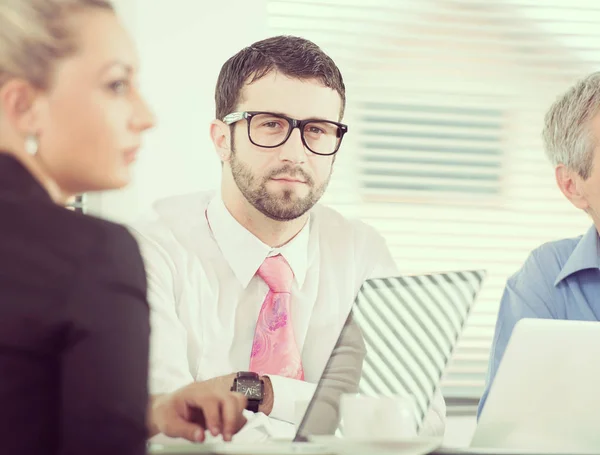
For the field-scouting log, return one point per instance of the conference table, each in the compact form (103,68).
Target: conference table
(205,450)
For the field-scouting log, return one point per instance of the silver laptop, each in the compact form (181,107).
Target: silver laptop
(402,332)
(545,397)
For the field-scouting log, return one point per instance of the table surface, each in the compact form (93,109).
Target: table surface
(263,449)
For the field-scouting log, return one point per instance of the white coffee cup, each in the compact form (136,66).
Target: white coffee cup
(378,417)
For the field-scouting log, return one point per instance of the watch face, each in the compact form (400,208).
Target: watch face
(252,388)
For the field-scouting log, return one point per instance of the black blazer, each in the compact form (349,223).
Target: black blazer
(74,327)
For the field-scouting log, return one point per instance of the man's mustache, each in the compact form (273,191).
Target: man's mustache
(291,171)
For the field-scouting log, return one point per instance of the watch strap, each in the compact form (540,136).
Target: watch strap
(252,404)
(248,374)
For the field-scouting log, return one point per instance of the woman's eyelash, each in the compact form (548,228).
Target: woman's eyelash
(119,86)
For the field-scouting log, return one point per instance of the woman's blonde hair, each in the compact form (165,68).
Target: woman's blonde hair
(34,34)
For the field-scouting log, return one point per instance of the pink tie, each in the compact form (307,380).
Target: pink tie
(274,350)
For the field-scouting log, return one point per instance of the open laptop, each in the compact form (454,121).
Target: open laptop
(545,397)
(403,331)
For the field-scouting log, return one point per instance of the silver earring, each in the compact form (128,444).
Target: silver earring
(32,144)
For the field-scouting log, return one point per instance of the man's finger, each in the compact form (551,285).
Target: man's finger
(212,414)
(231,414)
(241,401)
(187,430)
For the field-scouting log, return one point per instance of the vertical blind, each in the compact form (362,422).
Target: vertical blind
(444,157)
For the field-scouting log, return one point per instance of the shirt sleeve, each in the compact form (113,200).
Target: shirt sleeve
(526,295)
(286,393)
(169,366)
(104,362)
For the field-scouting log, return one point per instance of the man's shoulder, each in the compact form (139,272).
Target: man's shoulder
(177,205)
(332,222)
(547,260)
(354,243)
(174,209)
(172,215)
(561,249)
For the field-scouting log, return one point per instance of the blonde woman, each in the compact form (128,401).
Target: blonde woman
(74,323)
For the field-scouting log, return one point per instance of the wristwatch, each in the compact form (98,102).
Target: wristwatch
(250,385)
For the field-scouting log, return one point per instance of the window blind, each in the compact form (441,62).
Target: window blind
(444,156)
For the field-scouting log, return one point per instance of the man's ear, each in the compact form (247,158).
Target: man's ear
(220,135)
(570,184)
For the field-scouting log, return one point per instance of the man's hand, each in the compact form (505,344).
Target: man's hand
(223,384)
(267,404)
(220,384)
(189,411)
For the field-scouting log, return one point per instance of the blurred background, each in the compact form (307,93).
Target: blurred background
(446,100)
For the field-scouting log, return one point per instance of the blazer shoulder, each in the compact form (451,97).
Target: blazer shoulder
(105,249)
(115,251)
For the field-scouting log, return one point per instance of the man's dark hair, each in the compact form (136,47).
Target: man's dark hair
(291,56)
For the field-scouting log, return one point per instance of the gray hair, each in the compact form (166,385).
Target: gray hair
(36,33)
(568,138)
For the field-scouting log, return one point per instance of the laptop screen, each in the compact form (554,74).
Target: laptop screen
(397,340)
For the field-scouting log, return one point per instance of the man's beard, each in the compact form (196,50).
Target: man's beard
(285,206)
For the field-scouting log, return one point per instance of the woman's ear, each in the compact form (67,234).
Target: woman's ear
(18,106)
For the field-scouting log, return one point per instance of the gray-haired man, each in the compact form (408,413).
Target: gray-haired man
(561,279)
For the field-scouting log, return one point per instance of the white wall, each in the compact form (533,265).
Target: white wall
(182,45)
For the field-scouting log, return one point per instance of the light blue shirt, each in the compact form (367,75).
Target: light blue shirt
(559,280)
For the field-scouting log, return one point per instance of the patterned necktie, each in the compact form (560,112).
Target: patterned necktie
(274,350)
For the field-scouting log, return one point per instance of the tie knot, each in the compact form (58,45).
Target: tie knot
(277,273)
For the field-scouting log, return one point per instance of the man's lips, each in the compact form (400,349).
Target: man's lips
(288,179)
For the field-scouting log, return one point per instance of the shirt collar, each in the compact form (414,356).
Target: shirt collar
(245,253)
(584,256)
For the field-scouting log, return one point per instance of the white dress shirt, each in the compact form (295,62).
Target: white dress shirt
(205,296)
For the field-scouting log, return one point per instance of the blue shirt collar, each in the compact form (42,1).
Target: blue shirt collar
(585,256)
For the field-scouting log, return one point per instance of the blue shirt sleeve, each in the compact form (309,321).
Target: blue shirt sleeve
(528,294)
